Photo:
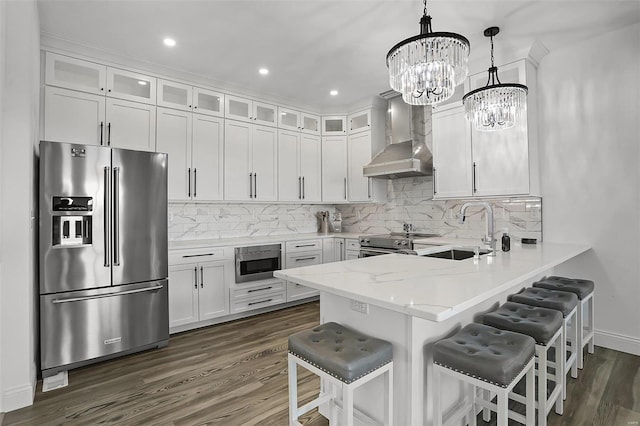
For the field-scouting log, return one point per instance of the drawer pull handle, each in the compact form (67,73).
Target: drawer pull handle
(306,258)
(198,255)
(259,289)
(305,245)
(262,301)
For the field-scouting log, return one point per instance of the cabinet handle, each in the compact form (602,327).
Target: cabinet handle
(474,178)
(197,255)
(305,245)
(195,273)
(101,131)
(435,191)
(299,188)
(190,106)
(259,289)
(255,185)
(369,188)
(189,180)
(195,181)
(257,303)
(303,187)
(201,277)
(109,133)
(250,185)
(345,188)
(306,258)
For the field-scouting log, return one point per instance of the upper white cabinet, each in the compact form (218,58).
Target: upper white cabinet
(296,120)
(250,162)
(131,86)
(334,125)
(190,98)
(299,171)
(195,145)
(310,123)
(131,125)
(334,169)
(251,111)
(360,188)
(359,122)
(63,71)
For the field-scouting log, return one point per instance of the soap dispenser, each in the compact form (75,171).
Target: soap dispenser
(506,240)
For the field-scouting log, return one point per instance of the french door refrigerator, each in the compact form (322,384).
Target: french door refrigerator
(103,254)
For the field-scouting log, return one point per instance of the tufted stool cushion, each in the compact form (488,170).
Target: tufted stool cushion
(486,353)
(581,288)
(540,323)
(561,301)
(340,351)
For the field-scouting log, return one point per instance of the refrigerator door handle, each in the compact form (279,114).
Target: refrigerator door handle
(100,296)
(107,219)
(189,179)
(116,216)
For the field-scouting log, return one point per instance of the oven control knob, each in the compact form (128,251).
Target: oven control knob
(404,243)
(397,242)
(364,241)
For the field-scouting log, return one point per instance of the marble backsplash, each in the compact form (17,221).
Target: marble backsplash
(409,201)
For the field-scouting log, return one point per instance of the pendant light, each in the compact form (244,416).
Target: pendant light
(497,106)
(427,67)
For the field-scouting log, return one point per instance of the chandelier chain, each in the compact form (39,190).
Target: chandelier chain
(424,12)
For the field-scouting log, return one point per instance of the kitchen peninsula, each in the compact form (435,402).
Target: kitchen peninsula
(414,301)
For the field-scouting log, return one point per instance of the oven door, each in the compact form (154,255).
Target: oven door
(253,267)
(372,251)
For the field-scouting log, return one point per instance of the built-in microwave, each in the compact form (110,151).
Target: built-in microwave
(257,262)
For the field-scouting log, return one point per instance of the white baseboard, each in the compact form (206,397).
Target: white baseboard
(18,397)
(618,342)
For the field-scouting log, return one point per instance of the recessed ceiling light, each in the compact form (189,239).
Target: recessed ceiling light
(169,42)
(333,93)
(142,83)
(263,71)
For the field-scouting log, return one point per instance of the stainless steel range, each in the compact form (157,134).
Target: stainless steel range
(395,242)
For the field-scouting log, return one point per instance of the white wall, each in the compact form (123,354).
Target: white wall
(19,110)
(589,161)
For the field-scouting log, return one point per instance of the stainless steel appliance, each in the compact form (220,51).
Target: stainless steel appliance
(257,262)
(103,254)
(395,242)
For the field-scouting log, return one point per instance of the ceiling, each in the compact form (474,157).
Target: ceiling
(311,47)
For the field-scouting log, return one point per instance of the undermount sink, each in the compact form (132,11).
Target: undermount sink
(456,254)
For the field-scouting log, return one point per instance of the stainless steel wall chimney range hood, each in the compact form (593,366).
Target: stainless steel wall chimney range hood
(409,142)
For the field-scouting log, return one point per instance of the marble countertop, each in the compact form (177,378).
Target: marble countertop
(253,240)
(431,288)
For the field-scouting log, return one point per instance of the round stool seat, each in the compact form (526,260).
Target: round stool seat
(581,288)
(485,353)
(562,301)
(340,351)
(540,323)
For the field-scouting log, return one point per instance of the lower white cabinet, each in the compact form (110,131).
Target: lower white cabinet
(298,254)
(351,248)
(257,294)
(198,286)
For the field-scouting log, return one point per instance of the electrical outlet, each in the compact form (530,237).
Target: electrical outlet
(361,307)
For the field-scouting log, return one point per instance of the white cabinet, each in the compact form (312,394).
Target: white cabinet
(310,123)
(76,74)
(298,254)
(131,86)
(250,111)
(334,169)
(194,143)
(334,125)
(288,119)
(360,121)
(359,154)
(198,286)
(299,166)
(452,163)
(250,162)
(189,98)
(130,125)
(257,294)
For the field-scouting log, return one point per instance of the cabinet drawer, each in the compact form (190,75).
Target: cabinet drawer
(298,260)
(179,257)
(258,302)
(298,291)
(352,244)
(303,245)
(255,290)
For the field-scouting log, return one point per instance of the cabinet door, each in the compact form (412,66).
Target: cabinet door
(73,117)
(213,300)
(264,157)
(183,294)
(289,178)
(238,108)
(452,168)
(208,102)
(288,119)
(237,182)
(334,125)
(131,125)
(359,155)
(63,71)
(310,123)
(131,86)
(265,114)
(338,251)
(206,157)
(334,169)
(174,95)
(311,167)
(359,121)
(174,138)
(351,254)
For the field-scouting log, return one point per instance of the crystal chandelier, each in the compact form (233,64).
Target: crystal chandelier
(426,68)
(496,106)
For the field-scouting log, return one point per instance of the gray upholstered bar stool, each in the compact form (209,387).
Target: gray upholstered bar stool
(344,359)
(545,326)
(567,303)
(490,359)
(584,290)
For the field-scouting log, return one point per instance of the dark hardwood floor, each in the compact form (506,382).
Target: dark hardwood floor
(236,374)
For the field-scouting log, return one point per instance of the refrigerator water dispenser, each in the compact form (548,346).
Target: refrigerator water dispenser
(71,230)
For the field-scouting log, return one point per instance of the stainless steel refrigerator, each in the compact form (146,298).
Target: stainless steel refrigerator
(103,254)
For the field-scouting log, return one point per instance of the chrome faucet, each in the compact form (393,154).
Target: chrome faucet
(489,217)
